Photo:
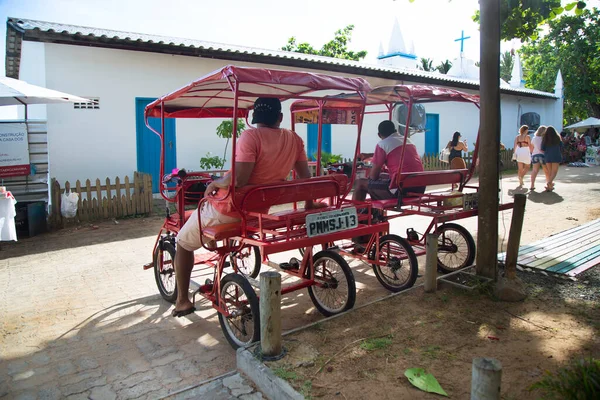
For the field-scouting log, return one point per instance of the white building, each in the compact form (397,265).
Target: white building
(125,70)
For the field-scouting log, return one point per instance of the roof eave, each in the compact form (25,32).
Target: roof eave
(37,35)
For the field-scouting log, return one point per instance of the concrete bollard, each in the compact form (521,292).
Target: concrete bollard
(485,379)
(270,314)
(431,263)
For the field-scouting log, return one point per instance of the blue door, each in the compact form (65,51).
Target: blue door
(148,143)
(432,134)
(313,137)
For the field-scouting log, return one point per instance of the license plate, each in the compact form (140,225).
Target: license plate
(470,201)
(331,221)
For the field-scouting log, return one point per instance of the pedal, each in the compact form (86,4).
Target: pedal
(207,287)
(412,235)
(293,265)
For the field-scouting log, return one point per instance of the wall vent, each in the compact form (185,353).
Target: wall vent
(94,104)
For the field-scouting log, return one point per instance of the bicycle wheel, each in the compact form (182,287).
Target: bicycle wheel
(334,290)
(401,266)
(242,326)
(247,261)
(456,248)
(165,277)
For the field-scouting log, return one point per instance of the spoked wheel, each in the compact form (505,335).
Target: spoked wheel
(334,290)
(242,326)
(456,248)
(165,277)
(401,265)
(247,261)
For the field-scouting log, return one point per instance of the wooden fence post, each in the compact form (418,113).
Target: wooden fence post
(270,314)
(431,263)
(485,379)
(514,236)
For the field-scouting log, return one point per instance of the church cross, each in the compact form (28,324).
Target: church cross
(462,39)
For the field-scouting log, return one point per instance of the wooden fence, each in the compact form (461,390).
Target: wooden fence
(105,201)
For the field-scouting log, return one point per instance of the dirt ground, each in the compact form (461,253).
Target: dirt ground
(79,316)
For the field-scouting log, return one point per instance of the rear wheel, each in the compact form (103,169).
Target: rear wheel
(456,248)
(401,266)
(334,290)
(242,326)
(247,261)
(164,272)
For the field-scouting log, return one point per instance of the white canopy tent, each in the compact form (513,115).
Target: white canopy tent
(586,123)
(16,92)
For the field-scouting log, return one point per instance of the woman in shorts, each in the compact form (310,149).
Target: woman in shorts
(522,152)
(537,156)
(552,145)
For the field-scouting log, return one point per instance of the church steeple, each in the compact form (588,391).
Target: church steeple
(397,55)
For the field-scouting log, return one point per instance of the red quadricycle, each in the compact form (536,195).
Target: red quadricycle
(456,246)
(269,224)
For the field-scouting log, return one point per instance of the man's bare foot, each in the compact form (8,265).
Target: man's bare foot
(184,305)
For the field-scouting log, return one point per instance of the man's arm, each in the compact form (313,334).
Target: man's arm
(375,171)
(243,170)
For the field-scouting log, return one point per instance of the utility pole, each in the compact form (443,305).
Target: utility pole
(489,140)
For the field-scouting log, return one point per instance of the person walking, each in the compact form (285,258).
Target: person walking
(551,145)
(522,152)
(456,148)
(537,156)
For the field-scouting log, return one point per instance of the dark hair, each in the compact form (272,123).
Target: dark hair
(266,111)
(455,138)
(386,128)
(551,138)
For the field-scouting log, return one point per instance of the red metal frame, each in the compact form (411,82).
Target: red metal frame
(429,204)
(230,92)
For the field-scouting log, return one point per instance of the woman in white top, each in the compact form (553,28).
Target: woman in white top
(522,152)
(537,156)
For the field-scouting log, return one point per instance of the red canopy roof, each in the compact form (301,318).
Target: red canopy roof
(392,94)
(213,94)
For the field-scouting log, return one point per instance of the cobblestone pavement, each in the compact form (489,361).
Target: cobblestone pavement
(79,318)
(231,387)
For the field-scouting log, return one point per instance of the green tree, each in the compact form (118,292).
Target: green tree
(426,64)
(570,46)
(444,67)
(522,19)
(224,131)
(506,65)
(336,48)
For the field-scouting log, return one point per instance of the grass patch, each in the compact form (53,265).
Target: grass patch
(432,352)
(306,389)
(579,380)
(285,373)
(376,344)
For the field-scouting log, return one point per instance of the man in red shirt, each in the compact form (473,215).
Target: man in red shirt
(388,152)
(264,154)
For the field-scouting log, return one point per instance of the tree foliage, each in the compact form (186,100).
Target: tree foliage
(336,48)
(506,65)
(521,19)
(426,64)
(444,67)
(570,46)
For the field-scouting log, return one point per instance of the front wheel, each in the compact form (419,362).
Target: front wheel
(401,266)
(456,248)
(164,271)
(334,290)
(242,326)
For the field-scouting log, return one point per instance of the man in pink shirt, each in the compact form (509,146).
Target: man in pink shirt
(388,152)
(265,154)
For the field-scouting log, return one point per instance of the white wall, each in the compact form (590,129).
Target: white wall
(99,143)
(33,70)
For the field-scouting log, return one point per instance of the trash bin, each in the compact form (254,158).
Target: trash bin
(30,219)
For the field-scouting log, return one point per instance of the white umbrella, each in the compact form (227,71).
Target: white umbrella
(586,123)
(16,92)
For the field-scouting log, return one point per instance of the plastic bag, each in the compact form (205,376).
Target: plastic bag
(445,155)
(68,204)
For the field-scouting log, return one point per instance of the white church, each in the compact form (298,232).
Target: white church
(124,71)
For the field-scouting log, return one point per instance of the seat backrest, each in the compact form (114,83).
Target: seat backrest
(262,197)
(430,178)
